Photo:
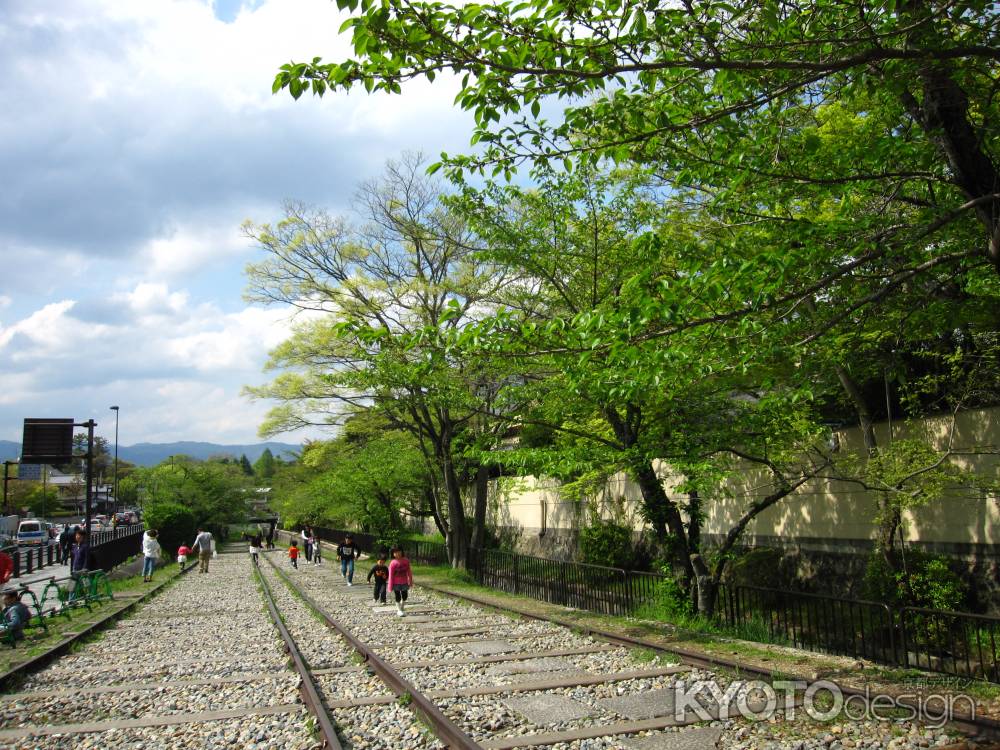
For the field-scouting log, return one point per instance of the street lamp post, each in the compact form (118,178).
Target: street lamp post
(6,480)
(114,507)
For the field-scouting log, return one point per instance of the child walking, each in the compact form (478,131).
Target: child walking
(317,550)
(182,555)
(381,573)
(255,543)
(347,553)
(400,579)
(293,555)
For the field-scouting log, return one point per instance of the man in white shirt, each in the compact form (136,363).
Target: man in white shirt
(203,543)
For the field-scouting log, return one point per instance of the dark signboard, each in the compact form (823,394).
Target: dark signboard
(47,441)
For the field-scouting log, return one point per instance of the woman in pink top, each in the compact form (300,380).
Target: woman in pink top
(400,579)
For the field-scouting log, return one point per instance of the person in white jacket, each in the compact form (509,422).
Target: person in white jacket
(150,554)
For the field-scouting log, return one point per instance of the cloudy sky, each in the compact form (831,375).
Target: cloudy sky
(135,138)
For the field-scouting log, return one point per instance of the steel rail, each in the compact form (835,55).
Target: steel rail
(443,727)
(310,694)
(978,726)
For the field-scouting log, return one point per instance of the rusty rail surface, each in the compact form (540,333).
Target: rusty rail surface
(310,695)
(443,727)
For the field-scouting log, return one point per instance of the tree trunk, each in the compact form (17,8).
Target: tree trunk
(666,517)
(706,586)
(430,494)
(458,536)
(945,119)
(890,517)
(479,515)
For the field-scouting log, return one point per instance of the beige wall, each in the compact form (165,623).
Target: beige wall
(818,510)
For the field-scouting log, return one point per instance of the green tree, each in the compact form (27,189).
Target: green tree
(264,466)
(212,492)
(733,99)
(390,289)
(245,465)
(609,403)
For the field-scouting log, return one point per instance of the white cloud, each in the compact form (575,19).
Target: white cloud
(179,367)
(136,138)
(189,248)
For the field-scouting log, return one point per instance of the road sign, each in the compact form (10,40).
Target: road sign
(47,441)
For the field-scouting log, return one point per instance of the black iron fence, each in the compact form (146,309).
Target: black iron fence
(591,587)
(108,548)
(850,627)
(117,547)
(953,643)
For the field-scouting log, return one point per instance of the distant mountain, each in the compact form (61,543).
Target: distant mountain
(9,450)
(150,454)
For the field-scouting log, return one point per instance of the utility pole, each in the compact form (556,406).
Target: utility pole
(6,480)
(114,508)
(89,424)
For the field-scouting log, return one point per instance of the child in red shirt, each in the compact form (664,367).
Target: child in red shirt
(293,555)
(182,554)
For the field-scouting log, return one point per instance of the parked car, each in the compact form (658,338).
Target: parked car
(32,532)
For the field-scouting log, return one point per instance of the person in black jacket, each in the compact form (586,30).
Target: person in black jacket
(66,543)
(347,553)
(381,573)
(80,557)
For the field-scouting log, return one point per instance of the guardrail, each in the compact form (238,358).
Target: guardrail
(108,549)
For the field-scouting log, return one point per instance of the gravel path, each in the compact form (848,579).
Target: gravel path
(201,628)
(379,727)
(207,644)
(427,634)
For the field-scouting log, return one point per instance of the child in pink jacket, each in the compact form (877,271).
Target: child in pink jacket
(400,579)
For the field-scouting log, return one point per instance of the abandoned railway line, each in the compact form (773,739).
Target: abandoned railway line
(270,657)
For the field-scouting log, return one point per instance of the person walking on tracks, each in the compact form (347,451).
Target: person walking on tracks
(15,616)
(317,550)
(307,543)
(347,553)
(381,573)
(203,543)
(255,542)
(150,554)
(293,554)
(400,579)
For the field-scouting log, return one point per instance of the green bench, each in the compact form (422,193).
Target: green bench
(83,590)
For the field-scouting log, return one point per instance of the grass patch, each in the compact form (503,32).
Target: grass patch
(643,655)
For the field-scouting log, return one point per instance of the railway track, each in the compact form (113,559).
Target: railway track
(983,728)
(511,682)
(201,665)
(269,657)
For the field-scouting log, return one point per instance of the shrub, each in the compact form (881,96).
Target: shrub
(933,583)
(175,523)
(761,566)
(607,543)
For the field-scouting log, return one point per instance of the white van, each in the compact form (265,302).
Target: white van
(32,532)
